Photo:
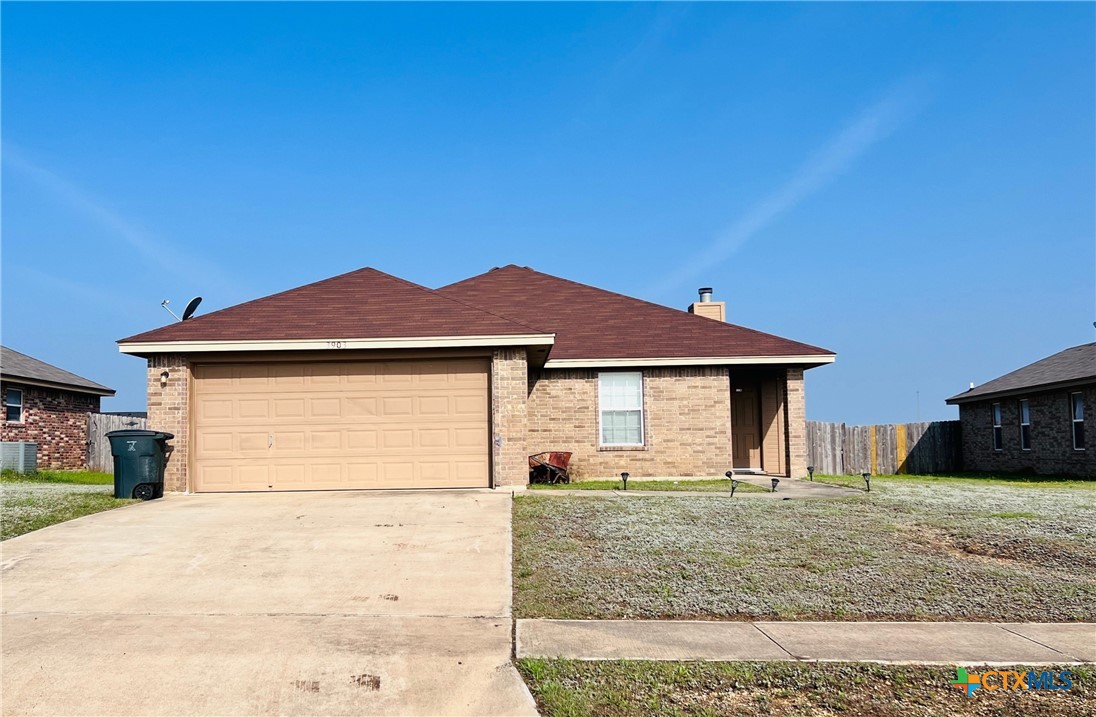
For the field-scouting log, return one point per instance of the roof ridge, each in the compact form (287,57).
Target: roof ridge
(435,292)
(661,307)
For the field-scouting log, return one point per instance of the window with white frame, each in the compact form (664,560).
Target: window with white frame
(997,431)
(620,402)
(1025,425)
(1077,412)
(13,400)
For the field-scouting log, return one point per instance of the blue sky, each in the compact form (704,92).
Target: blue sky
(910,185)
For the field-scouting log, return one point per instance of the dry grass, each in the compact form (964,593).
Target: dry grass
(566,688)
(913,549)
(670,486)
(27,506)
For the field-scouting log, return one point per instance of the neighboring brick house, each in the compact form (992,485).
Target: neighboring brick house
(1033,419)
(48,406)
(365,380)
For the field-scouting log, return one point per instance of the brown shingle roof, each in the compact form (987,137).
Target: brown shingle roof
(15,366)
(1074,365)
(361,304)
(592,323)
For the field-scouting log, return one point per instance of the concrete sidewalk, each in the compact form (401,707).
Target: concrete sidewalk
(791,488)
(889,642)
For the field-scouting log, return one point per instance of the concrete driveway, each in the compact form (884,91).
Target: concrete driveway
(276,603)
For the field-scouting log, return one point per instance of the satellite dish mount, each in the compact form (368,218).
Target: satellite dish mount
(191,307)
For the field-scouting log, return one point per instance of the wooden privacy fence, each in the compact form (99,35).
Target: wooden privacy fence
(918,448)
(99,424)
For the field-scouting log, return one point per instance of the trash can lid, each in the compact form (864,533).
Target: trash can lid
(139,432)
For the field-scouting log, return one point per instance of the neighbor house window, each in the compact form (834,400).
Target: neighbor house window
(13,397)
(997,433)
(620,400)
(1025,425)
(1077,411)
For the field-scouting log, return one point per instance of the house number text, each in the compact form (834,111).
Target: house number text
(336,344)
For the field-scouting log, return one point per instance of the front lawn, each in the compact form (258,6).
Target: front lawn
(912,549)
(700,486)
(27,505)
(571,688)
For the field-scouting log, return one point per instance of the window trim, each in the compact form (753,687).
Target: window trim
(1073,420)
(601,444)
(22,409)
(1025,440)
(995,417)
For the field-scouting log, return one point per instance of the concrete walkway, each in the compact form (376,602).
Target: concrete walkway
(889,642)
(792,488)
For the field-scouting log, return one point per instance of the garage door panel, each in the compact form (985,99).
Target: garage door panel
(253,408)
(251,442)
(397,439)
(212,443)
(469,437)
(212,410)
(288,408)
(361,440)
(469,405)
(360,407)
(341,425)
(253,374)
(324,407)
(434,438)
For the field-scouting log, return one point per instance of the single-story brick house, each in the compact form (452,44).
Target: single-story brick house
(366,380)
(48,406)
(1033,419)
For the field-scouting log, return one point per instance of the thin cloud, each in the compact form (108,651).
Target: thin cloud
(155,251)
(80,293)
(833,159)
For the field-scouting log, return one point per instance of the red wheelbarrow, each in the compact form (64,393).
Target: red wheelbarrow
(550,467)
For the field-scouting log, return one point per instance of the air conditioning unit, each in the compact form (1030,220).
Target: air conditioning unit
(19,457)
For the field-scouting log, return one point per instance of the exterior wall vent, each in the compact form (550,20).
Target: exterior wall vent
(19,457)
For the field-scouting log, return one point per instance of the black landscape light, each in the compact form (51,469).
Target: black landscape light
(810,472)
(624,477)
(776,482)
(734,483)
(867,480)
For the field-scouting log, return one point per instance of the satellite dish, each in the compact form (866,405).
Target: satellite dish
(191,306)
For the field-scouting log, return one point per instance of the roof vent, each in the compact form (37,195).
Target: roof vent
(705,294)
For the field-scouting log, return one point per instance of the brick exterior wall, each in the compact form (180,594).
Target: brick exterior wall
(169,410)
(687,422)
(509,417)
(1051,451)
(56,420)
(795,397)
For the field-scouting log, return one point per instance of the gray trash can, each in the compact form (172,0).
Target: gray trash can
(139,459)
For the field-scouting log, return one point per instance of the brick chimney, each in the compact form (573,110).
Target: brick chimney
(707,308)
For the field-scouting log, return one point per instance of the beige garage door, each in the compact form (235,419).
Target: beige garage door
(322,426)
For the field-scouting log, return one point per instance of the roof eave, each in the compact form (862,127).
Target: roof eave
(806,361)
(147,348)
(965,397)
(60,386)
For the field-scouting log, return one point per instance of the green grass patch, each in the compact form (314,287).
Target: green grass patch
(27,506)
(571,688)
(972,480)
(75,477)
(699,486)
